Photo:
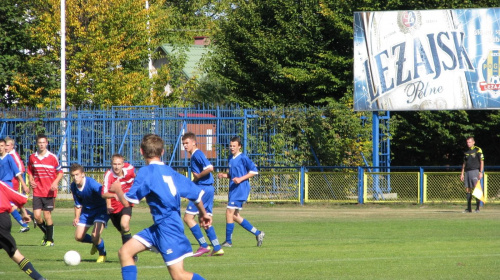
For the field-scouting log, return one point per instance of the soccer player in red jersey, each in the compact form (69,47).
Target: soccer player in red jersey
(120,215)
(8,196)
(44,172)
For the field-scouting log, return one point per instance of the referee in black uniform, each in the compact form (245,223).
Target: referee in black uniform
(472,171)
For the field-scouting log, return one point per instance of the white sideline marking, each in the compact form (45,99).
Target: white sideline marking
(293,261)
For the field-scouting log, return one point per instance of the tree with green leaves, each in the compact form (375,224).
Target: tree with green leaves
(17,72)
(274,52)
(109,44)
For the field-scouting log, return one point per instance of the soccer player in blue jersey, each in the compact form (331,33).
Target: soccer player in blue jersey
(8,172)
(201,169)
(90,209)
(163,188)
(241,168)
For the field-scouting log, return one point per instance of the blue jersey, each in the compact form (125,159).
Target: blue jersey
(199,162)
(8,169)
(240,165)
(163,188)
(88,197)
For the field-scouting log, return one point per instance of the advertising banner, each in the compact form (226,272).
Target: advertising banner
(427,60)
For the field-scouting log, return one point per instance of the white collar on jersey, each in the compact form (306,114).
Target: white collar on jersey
(235,156)
(47,153)
(83,185)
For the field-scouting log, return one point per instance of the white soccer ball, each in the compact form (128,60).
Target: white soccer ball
(72,258)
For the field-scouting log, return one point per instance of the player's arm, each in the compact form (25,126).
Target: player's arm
(55,184)
(116,187)
(205,172)
(204,218)
(30,174)
(243,178)
(222,175)
(25,215)
(78,212)
(107,196)
(32,181)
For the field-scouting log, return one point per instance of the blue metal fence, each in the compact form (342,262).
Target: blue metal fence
(90,137)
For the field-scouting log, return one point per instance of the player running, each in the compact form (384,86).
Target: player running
(119,215)
(44,172)
(241,168)
(162,187)
(7,241)
(90,209)
(11,175)
(201,169)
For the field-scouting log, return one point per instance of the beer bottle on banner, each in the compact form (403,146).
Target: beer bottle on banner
(416,61)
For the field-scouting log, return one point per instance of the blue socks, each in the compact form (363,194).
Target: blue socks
(229,233)
(197,277)
(87,239)
(248,226)
(130,272)
(196,230)
(101,249)
(18,218)
(213,238)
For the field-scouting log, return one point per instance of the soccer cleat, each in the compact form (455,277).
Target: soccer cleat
(101,259)
(216,253)
(260,238)
(226,244)
(24,229)
(44,240)
(201,251)
(466,211)
(93,250)
(49,244)
(136,258)
(477,211)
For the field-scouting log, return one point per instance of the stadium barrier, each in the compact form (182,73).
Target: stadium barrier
(345,185)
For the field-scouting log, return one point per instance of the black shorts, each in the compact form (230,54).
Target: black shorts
(7,241)
(117,217)
(44,203)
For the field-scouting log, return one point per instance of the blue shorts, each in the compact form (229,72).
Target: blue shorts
(208,202)
(89,217)
(168,239)
(235,204)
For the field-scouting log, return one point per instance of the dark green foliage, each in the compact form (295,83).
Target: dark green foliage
(280,52)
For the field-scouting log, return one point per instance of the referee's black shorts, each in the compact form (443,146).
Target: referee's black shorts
(7,241)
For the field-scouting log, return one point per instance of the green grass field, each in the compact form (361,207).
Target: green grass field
(302,242)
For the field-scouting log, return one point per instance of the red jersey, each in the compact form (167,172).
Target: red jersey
(44,170)
(8,195)
(20,165)
(126,181)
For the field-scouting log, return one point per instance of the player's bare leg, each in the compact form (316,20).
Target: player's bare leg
(177,272)
(128,250)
